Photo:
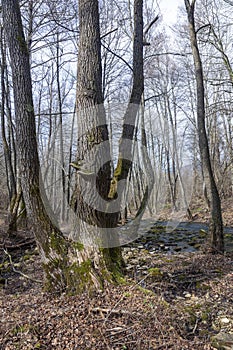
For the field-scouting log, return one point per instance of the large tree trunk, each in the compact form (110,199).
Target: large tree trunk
(96,195)
(67,265)
(216,225)
(45,232)
(95,255)
(93,164)
(125,157)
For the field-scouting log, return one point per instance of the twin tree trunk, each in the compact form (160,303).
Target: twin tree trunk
(68,265)
(216,224)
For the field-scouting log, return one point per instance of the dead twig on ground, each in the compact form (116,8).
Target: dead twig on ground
(20,272)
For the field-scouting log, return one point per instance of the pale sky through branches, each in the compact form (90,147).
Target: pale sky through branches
(169,10)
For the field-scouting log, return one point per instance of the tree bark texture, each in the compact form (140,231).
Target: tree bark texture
(27,154)
(67,265)
(124,163)
(216,224)
(90,198)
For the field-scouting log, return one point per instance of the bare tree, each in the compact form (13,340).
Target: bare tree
(216,225)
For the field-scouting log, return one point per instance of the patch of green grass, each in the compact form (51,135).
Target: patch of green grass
(155,272)
(124,347)
(205,315)
(20,329)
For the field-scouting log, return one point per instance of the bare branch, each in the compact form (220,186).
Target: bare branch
(108,33)
(168,53)
(19,272)
(118,56)
(203,27)
(150,25)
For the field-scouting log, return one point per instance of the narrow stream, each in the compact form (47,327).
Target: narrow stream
(186,237)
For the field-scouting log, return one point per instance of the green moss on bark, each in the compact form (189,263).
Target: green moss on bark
(79,277)
(79,246)
(119,167)
(65,273)
(22,44)
(114,265)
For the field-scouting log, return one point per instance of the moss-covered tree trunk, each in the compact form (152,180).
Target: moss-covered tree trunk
(86,262)
(45,231)
(68,265)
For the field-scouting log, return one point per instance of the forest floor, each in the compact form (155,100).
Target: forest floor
(177,301)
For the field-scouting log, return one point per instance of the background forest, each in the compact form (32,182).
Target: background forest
(79,74)
(170,97)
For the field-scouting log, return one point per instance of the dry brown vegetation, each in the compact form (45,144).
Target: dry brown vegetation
(166,302)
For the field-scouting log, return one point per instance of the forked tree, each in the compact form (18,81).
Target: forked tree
(69,265)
